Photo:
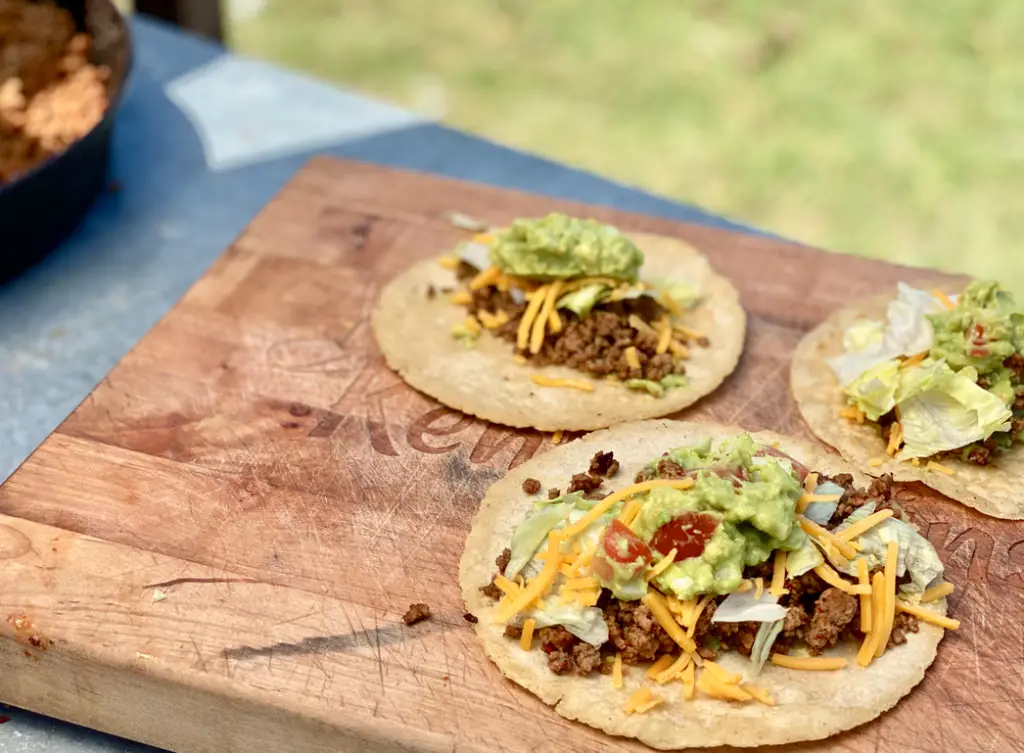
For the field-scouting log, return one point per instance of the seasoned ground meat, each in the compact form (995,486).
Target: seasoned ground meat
(465,271)
(902,624)
(634,631)
(584,482)
(513,632)
(1015,363)
(554,493)
(881,490)
(604,464)
(470,618)
(531,486)
(738,636)
(832,613)
(491,591)
(796,619)
(431,292)
(416,613)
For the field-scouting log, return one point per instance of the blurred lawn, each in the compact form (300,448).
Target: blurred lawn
(892,130)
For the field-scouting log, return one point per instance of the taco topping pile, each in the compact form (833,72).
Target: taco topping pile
(943,378)
(733,548)
(566,291)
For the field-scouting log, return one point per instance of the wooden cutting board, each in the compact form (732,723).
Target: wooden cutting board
(214,551)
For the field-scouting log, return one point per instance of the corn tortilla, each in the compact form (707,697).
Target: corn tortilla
(811,705)
(414,333)
(993,490)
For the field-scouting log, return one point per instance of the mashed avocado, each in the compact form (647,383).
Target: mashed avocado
(559,246)
(984,329)
(747,500)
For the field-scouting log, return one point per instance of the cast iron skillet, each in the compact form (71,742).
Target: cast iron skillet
(42,207)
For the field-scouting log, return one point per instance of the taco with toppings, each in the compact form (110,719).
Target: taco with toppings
(562,323)
(926,387)
(693,585)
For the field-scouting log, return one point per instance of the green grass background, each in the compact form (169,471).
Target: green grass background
(887,129)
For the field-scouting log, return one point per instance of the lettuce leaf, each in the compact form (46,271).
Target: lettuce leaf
(477,254)
(532,532)
(874,391)
(581,301)
(907,332)
(686,294)
(942,410)
(862,335)
(804,559)
(657,389)
(822,512)
(586,623)
(763,642)
(916,554)
(745,607)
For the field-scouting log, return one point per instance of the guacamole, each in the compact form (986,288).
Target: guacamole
(558,246)
(984,329)
(740,509)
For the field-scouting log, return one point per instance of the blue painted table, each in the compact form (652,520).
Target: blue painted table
(204,139)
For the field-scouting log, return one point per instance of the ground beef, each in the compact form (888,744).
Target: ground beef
(470,618)
(465,271)
(584,482)
(554,493)
(833,611)
(491,591)
(604,464)
(902,624)
(882,491)
(634,632)
(416,613)
(513,632)
(980,455)
(796,619)
(431,292)
(531,486)
(1015,363)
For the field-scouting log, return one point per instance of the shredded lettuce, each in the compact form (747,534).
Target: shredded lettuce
(863,334)
(581,301)
(686,294)
(477,254)
(586,623)
(532,532)
(874,391)
(804,559)
(916,554)
(763,642)
(463,335)
(657,389)
(822,512)
(908,332)
(943,410)
(746,607)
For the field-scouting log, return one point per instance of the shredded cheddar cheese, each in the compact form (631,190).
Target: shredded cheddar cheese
(656,603)
(833,578)
(674,670)
(548,305)
(640,325)
(937,592)
(865,599)
(663,564)
(713,686)
(862,526)
(665,338)
(660,665)
(922,613)
(895,438)
(629,512)
(718,671)
(519,359)
(892,550)
(461,297)
(813,663)
(526,640)
(813,529)
(526,323)
(696,615)
(485,238)
(617,672)
(679,350)
(641,701)
(811,482)
(852,413)
(867,649)
(546,381)
(670,303)
(632,359)
(875,462)
(608,502)
(914,360)
(915,461)
(580,583)
(744,586)
(537,587)
(472,325)
(943,299)
(691,334)
(688,681)
(505,584)
(778,586)
(448,262)
(933,466)
(758,588)
(759,693)
(556,438)
(487,277)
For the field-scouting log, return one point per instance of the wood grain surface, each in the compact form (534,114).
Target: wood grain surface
(214,551)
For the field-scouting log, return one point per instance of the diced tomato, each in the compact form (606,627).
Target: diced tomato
(616,534)
(978,352)
(688,534)
(609,555)
(798,468)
